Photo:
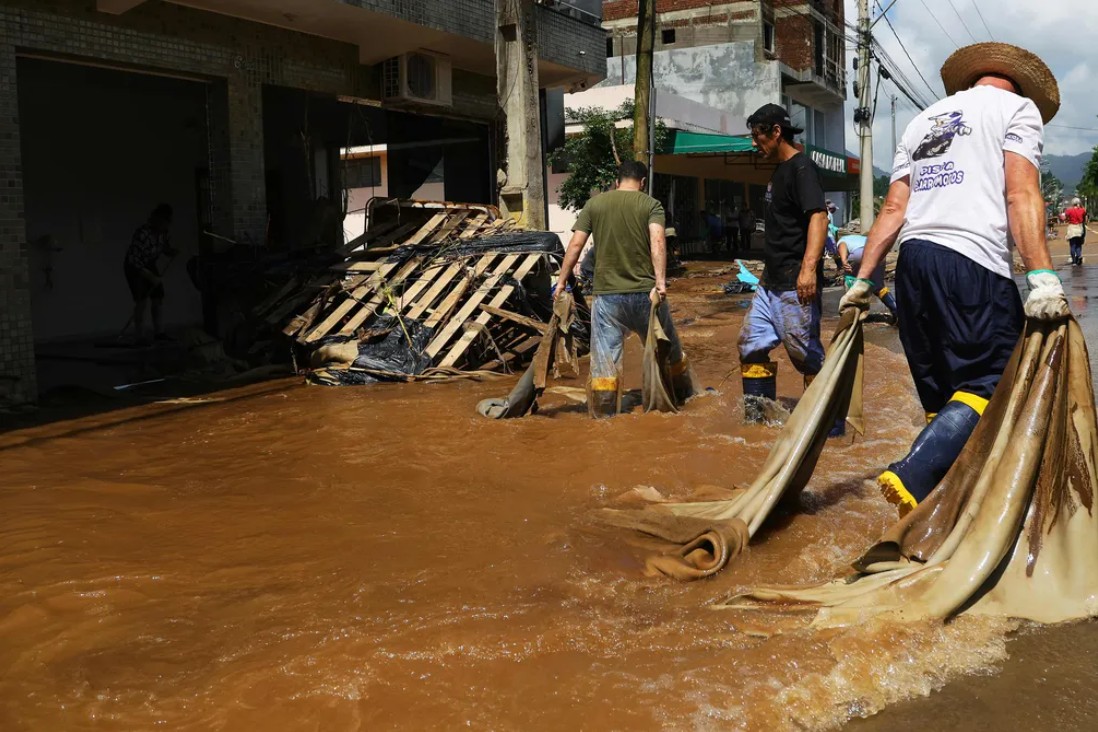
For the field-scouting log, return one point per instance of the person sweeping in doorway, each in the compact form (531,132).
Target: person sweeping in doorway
(630,274)
(141,267)
(960,314)
(1076,219)
(786,306)
(851,248)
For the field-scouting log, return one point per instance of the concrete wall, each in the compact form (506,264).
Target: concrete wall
(725,76)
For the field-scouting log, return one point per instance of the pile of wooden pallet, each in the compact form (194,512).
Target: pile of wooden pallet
(457,284)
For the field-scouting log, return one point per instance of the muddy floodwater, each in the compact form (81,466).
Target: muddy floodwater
(284,557)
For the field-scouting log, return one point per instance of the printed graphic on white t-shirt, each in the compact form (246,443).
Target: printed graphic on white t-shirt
(953,154)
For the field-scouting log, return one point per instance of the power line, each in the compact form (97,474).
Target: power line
(1069,127)
(989,33)
(963,23)
(904,49)
(935,17)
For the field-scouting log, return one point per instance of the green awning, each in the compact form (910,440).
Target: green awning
(693,143)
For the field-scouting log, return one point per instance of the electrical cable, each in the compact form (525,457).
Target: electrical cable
(906,53)
(989,33)
(963,23)
(935,17)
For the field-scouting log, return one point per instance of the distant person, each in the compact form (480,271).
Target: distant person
(851,247)
(1076,219)
(732,230)
(630,274)
(143,274)
(747,227)
(715,227)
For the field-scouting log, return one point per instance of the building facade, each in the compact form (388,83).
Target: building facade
(239,114)
(730,58)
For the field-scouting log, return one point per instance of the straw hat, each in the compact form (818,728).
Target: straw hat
(1031,74)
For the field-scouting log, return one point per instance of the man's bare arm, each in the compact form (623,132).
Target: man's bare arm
(571,256)
(658,242)
(886,229)
(807,286)
(1026,211)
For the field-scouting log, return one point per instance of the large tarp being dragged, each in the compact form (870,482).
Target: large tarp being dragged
(1011,530)
(707,535)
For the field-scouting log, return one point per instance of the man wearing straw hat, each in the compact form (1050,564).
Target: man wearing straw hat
(965,189)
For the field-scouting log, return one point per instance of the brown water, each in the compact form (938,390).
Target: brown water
(286,558)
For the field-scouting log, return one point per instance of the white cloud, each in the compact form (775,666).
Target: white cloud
(1056,30)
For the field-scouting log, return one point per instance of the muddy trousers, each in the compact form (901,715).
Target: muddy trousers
(959,324)
(776,317)
(613,318)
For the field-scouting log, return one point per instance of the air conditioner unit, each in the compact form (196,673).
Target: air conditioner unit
(422,77)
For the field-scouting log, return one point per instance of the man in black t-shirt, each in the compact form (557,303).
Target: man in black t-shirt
(786,306)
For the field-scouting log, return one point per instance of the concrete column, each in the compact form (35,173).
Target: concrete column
(18,378)
(237,166)
(522,183)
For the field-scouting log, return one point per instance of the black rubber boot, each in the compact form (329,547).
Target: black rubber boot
(909,481)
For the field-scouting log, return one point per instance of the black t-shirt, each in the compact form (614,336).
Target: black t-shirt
(794,195)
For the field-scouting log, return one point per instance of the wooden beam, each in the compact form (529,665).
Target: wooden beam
(537,325)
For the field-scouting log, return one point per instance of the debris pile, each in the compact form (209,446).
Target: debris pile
(429,290)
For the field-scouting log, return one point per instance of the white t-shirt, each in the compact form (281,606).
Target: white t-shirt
(954,152)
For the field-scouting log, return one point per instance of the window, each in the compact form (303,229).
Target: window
(609,46)
(819,131)
(362,172)
(668,36)
(768,36)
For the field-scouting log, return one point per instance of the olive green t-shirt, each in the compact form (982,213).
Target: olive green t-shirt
(623,255)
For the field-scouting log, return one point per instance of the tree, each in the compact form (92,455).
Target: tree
(1052,188)
(591,157)
(642,90)
(1088,187)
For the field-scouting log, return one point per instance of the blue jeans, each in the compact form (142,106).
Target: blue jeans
(1076,249)
(613,318)
(779,318)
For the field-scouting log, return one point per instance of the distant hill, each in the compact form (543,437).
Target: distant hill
(1068,168)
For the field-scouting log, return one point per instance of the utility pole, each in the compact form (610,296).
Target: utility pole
(865,100)
(642,91)
(893,124)
(522,179)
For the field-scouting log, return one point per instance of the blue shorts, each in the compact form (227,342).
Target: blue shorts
(959,322)
(779,317)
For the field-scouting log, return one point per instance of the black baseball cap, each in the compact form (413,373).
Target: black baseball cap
(773,114)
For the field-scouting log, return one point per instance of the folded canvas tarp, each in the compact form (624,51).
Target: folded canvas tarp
(1012,529)
(707,535)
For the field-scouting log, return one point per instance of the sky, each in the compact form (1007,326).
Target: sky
(1064,33)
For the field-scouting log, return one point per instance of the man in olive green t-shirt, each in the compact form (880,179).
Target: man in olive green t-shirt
(630,274)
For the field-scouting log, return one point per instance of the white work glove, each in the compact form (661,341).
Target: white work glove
(857,296)
(1046,299)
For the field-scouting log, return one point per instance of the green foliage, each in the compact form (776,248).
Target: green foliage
(1052,188)
(1088,187)
(588,156)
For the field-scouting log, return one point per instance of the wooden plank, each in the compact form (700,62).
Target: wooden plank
(498,299)
(457,320)
(514,352)
(426,277)
(369,306)
(350,303)
(426,230)
(442,282)
(367,236)
(450,226)
(474,226)
(454,298)
(357,266)
(537,325)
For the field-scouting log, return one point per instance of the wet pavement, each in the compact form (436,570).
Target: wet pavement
(283,557)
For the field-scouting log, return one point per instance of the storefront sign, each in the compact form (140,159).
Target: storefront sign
(827,161)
